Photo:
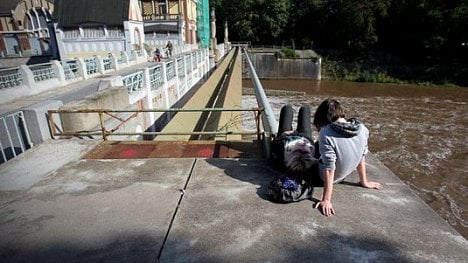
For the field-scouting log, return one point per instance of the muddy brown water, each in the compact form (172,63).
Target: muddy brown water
(420,133)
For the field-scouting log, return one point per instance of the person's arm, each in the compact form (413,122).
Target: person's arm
(326,205)
(328,159)
(361,170)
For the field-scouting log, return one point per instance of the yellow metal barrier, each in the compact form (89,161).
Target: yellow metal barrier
(105,131)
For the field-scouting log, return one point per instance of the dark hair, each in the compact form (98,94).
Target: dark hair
(327,112)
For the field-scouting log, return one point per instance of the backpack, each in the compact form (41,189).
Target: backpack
(288,189)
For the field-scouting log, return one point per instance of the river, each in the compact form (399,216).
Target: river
(420,133)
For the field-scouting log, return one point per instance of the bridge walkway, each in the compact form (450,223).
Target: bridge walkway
(223,89)
(179,138)
(198,209)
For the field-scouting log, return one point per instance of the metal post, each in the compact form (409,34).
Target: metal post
(103,129)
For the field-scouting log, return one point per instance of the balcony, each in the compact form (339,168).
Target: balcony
(159,17)
(153,10)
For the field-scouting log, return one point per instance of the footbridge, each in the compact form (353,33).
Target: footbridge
(207,121)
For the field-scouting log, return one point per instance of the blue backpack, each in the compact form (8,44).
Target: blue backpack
(288,189)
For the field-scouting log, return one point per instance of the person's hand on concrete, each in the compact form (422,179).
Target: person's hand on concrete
(372,185)
(326,208)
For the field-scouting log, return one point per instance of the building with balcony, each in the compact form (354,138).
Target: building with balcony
(89,27)
(170,20)
(26,28)
(68,29)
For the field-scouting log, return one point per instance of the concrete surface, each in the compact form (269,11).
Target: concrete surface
(187,121)
(232,121)
(122,211)
(27,169)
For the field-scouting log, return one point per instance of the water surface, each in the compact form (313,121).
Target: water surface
(420,133)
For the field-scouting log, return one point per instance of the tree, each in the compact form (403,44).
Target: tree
(421,26)
(237,14)
(258,21)
(393,25)
(351,23)
(270,22)
(305,22)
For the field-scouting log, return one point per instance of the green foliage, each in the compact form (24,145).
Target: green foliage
(257,21)
(359,25)
(424,32)
(288,53)
(385,68)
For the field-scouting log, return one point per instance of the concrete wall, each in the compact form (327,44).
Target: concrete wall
(268,66)
(36,118)
(111,98)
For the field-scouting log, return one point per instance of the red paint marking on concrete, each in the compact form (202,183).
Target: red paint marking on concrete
(128,153)
(206,152)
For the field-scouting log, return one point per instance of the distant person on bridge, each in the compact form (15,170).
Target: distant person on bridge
(342,147)
(169,47)
(157,55)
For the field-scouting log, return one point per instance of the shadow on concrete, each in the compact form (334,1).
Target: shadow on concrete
(124,247)
(322,247)
(132,247)
(253,171)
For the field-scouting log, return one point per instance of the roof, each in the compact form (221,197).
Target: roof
(7,5)
(71,13)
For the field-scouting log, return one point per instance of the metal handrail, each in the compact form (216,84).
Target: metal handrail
(104,132)
(270,120)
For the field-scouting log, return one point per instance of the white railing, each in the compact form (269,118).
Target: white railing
(170,71)
(10,78)
(43,72)
(27,80)
(14,136)
(166,82)
(133,82)
(155,76)
(70,69)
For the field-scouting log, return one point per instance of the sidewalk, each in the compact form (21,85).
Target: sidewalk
(207,210)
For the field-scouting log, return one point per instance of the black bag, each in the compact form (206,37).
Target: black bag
(288,189)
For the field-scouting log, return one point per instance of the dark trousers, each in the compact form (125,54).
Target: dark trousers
(303,128)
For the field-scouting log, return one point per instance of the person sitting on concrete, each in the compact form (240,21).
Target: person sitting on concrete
(293,149)
(342,146)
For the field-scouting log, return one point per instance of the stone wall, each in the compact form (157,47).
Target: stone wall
(268,66)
